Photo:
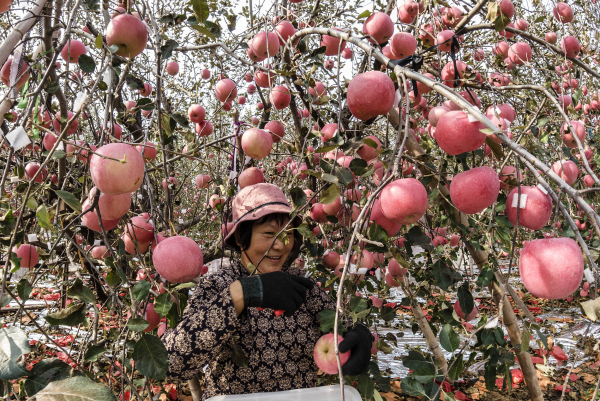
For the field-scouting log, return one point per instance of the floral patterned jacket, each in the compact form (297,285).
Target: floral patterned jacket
(279,348)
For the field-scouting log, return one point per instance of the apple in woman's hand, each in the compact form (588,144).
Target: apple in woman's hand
(324,354)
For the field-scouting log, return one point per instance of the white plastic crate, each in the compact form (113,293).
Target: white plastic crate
(326,393)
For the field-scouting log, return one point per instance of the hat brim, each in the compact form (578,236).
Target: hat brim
(230,237)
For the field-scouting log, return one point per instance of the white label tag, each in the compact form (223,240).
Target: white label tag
(378,273)
(248,158)
(541,188)
(232,175)
(97,242)
(183,210)
(60,146)
(589,276)
(492,323)
(523,201)
(18,138)
(32,238)
(79,100)
(362,270)
(471,118)
(139,196)
(180,221)
(49,245)
(14,179)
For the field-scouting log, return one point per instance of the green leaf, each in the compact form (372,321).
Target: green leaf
(344,175)
(167,48)
(485,276)
(181,120)
(98,41)
(501,22)
(80,291)
(445,275)
(75,388)
(93,353)
(465,298)
(140,290)
(43,217)
(577,96)
(13,345)
(58,154)
(364,14)
(137,324)
(387,313)
(327,320)
(113,279)
(201,9)
(150,356)
(69,199)
(449,340)
(71,316)
(24,289)
(163,303)
(358,304)
(86,63)
(52,87)
(330,194)
(411,386)
(204,31)
(358,166)
(46,371)
(298,197)
(31,203)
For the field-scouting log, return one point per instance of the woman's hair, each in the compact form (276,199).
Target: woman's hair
(243,232)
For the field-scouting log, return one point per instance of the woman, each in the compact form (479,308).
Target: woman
(232,321)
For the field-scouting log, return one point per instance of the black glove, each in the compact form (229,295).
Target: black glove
(276,290)
(359,341)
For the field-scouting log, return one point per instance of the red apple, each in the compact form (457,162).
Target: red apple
(128,33)
(324,354)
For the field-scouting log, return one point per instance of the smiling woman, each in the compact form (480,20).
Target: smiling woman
(255,323)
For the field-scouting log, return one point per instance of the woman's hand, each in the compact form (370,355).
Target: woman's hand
(359,340)
(276,290)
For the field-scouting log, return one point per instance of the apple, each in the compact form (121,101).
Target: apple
(5,73)
(520,53)
(402,44)
(28,254)
(128,33)
(265,45)
(72,127)
(324,354)
(366,151)
(570,45)
(178,259)
(72,50)
(32,168)
(280,97)
(204,128)
(276,129)
(332,44)
(172,68)
(551,268)
(114,177)
(370,94)
(225,90)
(151,317)
(456,134)
(537,211)
(111,206)
(507,8)
(380,26)
(250,176)
(148,151)
(474,190)
(257,143)
(461,314)
(378,217)
(90,219)
(567,170)
(196,113)
(205,74)
(563,13)
(403,201)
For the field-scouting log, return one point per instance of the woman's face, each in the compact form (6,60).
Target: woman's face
(263,236)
